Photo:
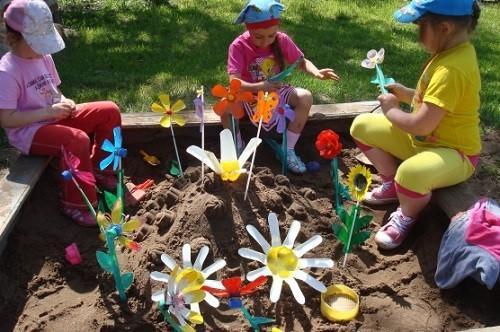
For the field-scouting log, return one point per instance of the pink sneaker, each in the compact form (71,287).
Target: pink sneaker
(383,194)
(81,217)
(392,234)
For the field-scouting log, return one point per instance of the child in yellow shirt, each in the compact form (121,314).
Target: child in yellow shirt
(438,142)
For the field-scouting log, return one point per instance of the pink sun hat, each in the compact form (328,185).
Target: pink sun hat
(33,19)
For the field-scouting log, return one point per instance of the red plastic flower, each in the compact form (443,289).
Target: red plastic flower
(328,144)
(231,99)
(234,289)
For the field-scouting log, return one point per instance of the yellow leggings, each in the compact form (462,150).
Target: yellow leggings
(422,169)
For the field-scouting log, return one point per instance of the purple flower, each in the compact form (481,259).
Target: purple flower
(283,112)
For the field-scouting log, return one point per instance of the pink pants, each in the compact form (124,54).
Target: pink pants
(82,135)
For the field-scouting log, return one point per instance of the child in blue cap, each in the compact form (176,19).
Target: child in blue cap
(263,51)
(439,141)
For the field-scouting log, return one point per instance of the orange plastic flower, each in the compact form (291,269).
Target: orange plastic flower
(266,103)
(328,144)
(231,99)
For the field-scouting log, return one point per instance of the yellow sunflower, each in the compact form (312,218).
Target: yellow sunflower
(359,179)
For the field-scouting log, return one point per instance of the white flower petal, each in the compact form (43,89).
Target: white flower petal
(184,312)
(177,315)
(292,234)
(259,238)
(211,300)
(219,264)
(276,289)
(311,281)
(367,64)
(315,262)
(297,293)
(380,56)
(159,276)
(263,271)
(213,284)
(186,256)
(196,306)
(313,242)
(371,54)
(168,261)
(274,229)
(200,259)
(158,296)
(252,254)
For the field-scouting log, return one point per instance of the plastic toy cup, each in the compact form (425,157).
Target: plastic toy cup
(72,254)
(339,303)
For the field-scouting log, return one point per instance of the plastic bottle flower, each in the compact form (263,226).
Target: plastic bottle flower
(282,261)
(373,58)
(283,113)
(72,162)
(183,289)
(121,227)
(266,103)
(234,290)
(359,179)
(231,99)
(230,167)
(201,275)
(170,112)
(328,144)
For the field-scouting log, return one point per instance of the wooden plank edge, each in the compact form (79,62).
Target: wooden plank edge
(318,113)
(15,188)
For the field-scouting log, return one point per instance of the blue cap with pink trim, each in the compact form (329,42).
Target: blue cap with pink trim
(261,13)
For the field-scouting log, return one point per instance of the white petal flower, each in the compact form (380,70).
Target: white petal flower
(196,268)
(373,58)
(282,261)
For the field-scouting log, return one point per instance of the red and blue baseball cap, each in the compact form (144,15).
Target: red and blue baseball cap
(261,14)
(417,8)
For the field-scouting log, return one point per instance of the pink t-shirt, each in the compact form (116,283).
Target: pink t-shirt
(254,64)
(27,84)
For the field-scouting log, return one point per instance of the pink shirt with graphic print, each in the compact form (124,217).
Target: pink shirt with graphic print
(27,84)
(250,62)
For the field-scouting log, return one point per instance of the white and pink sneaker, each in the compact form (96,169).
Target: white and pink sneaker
(383,194)
(392,234)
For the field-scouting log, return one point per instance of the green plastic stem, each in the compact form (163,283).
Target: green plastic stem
(381,79)
(354,217)
(85,198)
(335,175)
(175,147)
(110,240)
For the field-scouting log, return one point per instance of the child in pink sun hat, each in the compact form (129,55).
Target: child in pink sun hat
(38,119)
(262,52)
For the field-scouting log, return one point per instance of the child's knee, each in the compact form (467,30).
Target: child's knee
(305,97)
(359,126)
(413,180)
(113,111)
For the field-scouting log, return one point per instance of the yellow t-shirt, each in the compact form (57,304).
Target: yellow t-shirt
(451,81)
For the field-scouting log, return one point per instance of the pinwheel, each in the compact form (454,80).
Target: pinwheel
(201,275)
(170,117)
(266,103)
(199,106)
(374,59)
(329,147)
(114,227)
(73,173)
(184,289)
(230,166)
(117,152)
(231,101)
(234,291)
(282,261)
(351,232)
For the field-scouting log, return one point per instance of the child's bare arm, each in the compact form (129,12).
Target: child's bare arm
(255,87)
(10,118)
(322,74)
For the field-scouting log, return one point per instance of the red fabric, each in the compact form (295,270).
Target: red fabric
(263,24)
(82,135)
(408,192)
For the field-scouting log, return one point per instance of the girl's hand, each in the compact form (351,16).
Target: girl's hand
(270,86)
(388,101)
(399,90)
(60,111)
(326,74)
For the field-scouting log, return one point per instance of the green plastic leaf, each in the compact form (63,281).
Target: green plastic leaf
(359,238)
(110,200)
(363,222)
(261,321)
(127,280)
(344,192)
(277,148)
(341,233)
(174,168)
(105,262)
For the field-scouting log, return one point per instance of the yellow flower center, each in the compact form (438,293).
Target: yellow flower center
(168,111)
(282,261)
(230,97)
(195,278)
(230,170)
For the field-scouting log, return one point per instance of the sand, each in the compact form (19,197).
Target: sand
(42,292)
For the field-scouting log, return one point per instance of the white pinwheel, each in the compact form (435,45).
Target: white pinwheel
(183,290)
(373,58)
(196,267)
(282,261)
(230,166)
